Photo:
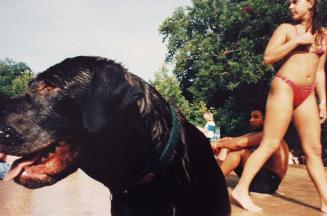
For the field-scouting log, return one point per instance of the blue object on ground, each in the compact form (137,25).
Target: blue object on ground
(4,167)
(216,135)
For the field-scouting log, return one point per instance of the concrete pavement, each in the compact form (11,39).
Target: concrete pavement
(296,196)
(79,195)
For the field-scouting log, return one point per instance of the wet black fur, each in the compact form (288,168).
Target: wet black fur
(123,123)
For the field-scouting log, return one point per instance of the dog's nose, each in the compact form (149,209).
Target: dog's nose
(9,136)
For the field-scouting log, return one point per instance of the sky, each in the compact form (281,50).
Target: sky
(42,33)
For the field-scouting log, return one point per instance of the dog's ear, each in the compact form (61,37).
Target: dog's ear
(109,94)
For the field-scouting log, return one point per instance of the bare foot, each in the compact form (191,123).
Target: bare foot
(245,201)
(324,208)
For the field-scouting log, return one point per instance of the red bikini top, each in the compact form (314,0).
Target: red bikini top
(318,48)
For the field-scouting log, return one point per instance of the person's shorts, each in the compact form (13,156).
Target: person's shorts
(266,180)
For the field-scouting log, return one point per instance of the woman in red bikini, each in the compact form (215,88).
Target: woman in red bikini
(302,47)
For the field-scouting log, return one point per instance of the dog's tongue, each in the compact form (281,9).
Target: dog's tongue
(17,168)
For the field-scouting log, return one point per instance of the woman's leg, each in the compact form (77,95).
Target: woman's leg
(233,160)
(278,116)
(306,119)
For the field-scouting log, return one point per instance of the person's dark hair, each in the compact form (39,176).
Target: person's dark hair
(317,15)
(260,107)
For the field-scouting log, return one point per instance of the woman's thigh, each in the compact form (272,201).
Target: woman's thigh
(279,110)
(307,123)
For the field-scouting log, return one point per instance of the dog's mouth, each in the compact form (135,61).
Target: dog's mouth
(47,166)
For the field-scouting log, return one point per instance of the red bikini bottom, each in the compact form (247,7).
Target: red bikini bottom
(300,92)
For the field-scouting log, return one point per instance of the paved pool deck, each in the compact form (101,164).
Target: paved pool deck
(79,195)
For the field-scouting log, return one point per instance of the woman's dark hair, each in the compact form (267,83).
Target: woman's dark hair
(317,15)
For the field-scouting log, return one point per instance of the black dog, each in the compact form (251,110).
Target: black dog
(90,113)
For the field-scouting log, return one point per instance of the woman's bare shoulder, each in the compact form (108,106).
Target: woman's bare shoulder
(286,27)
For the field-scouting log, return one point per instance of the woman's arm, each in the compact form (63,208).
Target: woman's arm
(321,87)
(278,46)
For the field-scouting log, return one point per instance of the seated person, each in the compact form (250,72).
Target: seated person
(210,127)
(239,149)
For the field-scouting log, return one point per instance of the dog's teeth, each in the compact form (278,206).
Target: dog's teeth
(1,132)
(7,135)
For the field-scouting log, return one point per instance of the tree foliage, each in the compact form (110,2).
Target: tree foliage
(169,88)
(216,47)
(14,77)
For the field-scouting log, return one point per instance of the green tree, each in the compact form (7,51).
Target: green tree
(14,77)
(217,47)
(169,88)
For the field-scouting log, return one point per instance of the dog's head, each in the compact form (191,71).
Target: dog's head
(65,109)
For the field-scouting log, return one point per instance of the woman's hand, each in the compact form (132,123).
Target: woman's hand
(322,111)
(304,39)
